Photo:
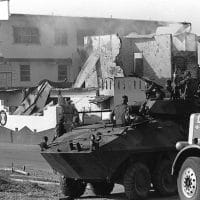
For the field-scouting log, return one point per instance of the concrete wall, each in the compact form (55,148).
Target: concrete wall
(24,136)
(34,123)
(185,42)
(107,87)
(156,52)
(198,52)
(80,98)
(132,87)
(107,47)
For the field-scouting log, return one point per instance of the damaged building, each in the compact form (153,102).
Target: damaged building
(117,63)
(85,53)
(37,47)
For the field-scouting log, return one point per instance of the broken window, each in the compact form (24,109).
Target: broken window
(62,72)
(61,37)
(26,35)
(83,33)
(25,72)
(138,64)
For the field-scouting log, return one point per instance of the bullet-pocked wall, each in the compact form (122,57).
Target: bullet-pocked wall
(155,53)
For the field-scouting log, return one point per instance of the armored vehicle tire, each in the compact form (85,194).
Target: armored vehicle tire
(102,188)
(72,188)
(189,179)
(137,182)
(164,183)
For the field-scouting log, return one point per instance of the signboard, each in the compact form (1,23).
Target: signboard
(3,118)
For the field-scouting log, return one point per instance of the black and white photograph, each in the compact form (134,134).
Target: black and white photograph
(99,100)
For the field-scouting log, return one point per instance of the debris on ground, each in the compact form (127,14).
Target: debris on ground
(10,189)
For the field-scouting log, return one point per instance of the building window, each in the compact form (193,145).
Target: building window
(25,72)
(118,84)
(138,64)
(134,84)
(5,79)
(26,35)
(140,86)
(61,37)
(62,72)
(102,84)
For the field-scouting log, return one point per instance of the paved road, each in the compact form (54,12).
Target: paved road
(20,155)
(29,155)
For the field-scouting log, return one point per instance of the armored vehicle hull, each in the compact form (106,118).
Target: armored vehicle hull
(138,156)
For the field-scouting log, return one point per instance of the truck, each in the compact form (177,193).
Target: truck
(186,165)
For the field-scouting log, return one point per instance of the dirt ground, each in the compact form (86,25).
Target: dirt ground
(10,189)
(29,156)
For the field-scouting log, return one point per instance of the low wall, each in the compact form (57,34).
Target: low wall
(26,129)
(35,123)
(24,136)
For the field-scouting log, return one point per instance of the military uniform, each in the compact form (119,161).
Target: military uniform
(121,113)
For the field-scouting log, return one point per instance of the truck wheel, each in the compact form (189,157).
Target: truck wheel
(72,188)
(164,183)
(102,188)
(137,182)
(189,179)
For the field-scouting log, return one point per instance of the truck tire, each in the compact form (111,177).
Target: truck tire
(137,182)
(189,179)
(72,188)
(102,188)
(164,183)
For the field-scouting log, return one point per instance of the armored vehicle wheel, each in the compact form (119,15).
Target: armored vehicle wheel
(164,183)
(137,182)
(72,188)
(189,179)
(102,188)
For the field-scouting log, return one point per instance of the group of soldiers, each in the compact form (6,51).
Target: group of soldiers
(68,119)
(181,87)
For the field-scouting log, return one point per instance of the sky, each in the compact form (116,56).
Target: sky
(164,10)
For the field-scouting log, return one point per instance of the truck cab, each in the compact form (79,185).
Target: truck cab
(186,165)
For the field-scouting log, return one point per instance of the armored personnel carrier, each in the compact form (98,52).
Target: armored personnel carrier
(138,156)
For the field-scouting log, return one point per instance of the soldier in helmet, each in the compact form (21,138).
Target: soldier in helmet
(121,113)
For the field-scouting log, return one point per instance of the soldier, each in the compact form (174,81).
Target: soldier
(121,113)
(70,115)
(154,92)
(188,86)
(43,144)
(60,127)
(169,89)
